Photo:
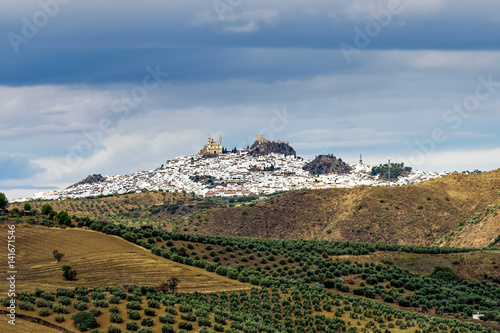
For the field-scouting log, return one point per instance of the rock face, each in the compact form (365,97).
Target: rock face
(91,180)
(327,164)
(262,146)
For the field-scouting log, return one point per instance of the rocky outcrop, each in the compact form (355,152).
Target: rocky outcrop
(327,164)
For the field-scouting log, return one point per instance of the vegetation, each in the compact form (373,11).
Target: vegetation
(4,202)
(57,255)
(68,273)
(397,170)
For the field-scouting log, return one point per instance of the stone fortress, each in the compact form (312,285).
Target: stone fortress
(212,148)
(260,139)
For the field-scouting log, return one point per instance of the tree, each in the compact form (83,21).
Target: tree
(172,283)
(27,207)
(47,209)
(68,273)
(57,255)
(4,202)
(63,218)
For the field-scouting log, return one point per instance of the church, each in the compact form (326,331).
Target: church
(212,148)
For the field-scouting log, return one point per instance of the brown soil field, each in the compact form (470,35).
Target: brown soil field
(100,261)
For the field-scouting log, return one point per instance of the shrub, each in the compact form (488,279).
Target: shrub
(134,315)
(84,319)
(204,322)
(48,296)
(134,305)
(115,318)
(167,319)
(185,326)
(167,329)
(100,303)
(149,312)
(444,273)
(114,329)
(132,326)
(114,309)
(26,306)
(96,312)
(59,308)
(170,309)
(147,321)
(64,300)
(145,330)
(114,299)
(79,305)
(59,318)
(44,312)
(184,307)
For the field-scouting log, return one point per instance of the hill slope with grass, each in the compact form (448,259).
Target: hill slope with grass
(100,260)
(415,214)
(419,214)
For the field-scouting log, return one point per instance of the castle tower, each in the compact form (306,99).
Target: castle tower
(220,139)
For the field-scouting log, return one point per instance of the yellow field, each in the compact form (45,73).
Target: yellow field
(24,326)
(100,260)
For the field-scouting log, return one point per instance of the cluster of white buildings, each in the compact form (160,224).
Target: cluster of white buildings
(232,174)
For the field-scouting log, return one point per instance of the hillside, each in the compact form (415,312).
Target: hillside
(481,230)
(415,214)
(100,261)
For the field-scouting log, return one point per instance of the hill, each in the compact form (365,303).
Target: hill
(266,147)
(327,164)
(100,260)
(481,230)
(415,214)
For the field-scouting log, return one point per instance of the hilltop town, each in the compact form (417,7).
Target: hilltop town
(242,173)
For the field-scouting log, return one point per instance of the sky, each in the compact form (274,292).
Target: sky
(118,86)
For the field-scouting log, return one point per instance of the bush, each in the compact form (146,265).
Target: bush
(96,312)
(145,330)
(114,309)
(147,321)
(115,318)
(59,308)
(167,319)
(114,329)
(132,326)
(64,300)
(79,305)
(134,315)
(84,319)
(185,326)
(134,305)
(204,322)
(44,312)
(149,312)
(26,306)
(167,329)
(59,318)
(113,299)
(444,273)
(48,296)
(100,303)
